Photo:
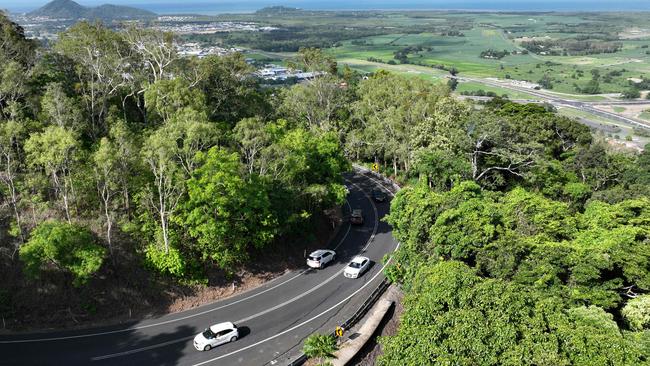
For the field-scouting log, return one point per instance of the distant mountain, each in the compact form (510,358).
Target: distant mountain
(60,9)
(68,9)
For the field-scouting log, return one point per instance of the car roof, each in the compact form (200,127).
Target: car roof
(319,252)
(359,259)
(222,326)
(356,211)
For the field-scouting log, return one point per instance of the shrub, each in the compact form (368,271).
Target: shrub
(637,313)
(65,246)
(170,262)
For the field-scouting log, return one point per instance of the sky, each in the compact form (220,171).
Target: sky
(216,6)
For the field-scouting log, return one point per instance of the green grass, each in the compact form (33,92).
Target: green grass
(645,115)
(409,70)
(511,94)
(618,109)
(482,31)
(492,31)
(623,130)
(577,113)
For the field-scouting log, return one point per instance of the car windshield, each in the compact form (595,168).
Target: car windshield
(355,265)
(356,214)
(208,334)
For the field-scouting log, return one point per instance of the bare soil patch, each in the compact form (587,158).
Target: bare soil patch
(631,110)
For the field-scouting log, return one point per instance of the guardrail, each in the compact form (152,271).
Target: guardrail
(354,319)
(378,291)
(384,180)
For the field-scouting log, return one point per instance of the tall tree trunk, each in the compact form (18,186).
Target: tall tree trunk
(14,203)
(63,191)
(66,205)
(9,181)
(395,166)
(163,217)
(127,201)
(163,225)
(109,220)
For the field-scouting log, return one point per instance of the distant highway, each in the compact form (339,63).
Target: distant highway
(587,106)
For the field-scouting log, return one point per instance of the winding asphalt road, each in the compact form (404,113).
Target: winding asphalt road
(273,319)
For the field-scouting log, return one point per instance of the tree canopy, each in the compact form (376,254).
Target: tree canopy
(64,246)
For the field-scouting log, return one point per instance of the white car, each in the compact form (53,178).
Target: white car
(216,335)
(357,266)
(319,258)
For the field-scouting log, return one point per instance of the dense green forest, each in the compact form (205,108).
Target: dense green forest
(123,166)
(524,240)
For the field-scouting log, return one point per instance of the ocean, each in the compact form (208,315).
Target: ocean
(248,6)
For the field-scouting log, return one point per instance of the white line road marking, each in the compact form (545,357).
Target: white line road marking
(172,320)
(144,348)
(374,207)
(137,350)
(303,323)
(276,307)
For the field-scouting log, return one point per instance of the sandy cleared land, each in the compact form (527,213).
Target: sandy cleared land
(634,33)
(629,110)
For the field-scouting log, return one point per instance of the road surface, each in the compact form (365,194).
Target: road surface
(273,319)
(558,101)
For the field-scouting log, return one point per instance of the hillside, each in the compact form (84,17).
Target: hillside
(68,9)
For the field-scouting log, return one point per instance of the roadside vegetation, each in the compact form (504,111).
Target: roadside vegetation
(524,239)
(128,172)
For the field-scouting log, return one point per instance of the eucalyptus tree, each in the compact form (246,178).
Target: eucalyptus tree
(389,109)
(318,104)
(231,93)
(252,136)
(56,150)
(11,140)
(125,146)
(165,97)
(154,49)
(13,88)
(166,190)
(170,152)
(107,171)
(17,57)
(322,101)
(102,64)
(494,144)
(13,44)
(61,110)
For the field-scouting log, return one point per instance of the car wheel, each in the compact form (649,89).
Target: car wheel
(234,338)
(321,265)
(207,347)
